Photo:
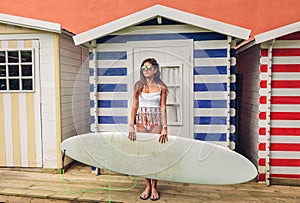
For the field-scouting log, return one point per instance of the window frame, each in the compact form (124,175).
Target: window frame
(19,64)
(179,98)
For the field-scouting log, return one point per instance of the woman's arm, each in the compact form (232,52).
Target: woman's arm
(163,108)
(132,135)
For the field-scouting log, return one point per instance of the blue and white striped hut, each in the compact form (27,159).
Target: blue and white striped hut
(197,61)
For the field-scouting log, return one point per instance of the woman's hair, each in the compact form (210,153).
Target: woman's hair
(142,82)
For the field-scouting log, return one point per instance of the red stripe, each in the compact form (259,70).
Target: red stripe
(262,162)
(262,99)
(285,147)
(296,176)
(264,68)
(262,177)
(262,146)
(285,100)
(285,131)
(262,131)
(286,68)
(263,84)
(286,52)
(264,52)
(285,162)
(285,116)
(262,115)
(292,36)
(280,147)
(285,83)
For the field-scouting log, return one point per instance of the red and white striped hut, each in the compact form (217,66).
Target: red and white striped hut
(269,75)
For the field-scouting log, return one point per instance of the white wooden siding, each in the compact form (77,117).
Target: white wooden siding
(74,88)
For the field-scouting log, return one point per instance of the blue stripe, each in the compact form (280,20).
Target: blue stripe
(109,71)
(91,55)
(149,37)
(112,55)
(113,119)
(213,137)
(232,52)
(164,21)
(214,120)
(210,87)
(112,71)
(210,104)
(232,137)
(210,70)
(91,71)
(91,87)
(112,88)
(92,119)
(232,69)
(233,86)
(92,104)
(232,103)
(232,120)
(209,120)
(112,104)
(210,136)
(210,53)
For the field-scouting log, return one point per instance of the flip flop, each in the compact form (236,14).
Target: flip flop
(156,196)
(145,195)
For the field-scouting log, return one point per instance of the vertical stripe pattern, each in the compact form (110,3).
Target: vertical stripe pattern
(284,113)
(214,91)
(19,121)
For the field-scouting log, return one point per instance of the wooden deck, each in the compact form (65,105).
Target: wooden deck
(35,187)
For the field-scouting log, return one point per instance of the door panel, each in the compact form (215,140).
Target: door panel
(20,121)
(175,60)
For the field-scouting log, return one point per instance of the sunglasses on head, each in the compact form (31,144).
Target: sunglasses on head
(143,68)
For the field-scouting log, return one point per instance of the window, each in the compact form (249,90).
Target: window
(16,71)
(172,76)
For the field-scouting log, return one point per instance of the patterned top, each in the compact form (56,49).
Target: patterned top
(149,109)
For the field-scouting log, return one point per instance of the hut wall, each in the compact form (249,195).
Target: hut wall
(284,113)
(214,63)
(28,119)
(74,75)
(248,62)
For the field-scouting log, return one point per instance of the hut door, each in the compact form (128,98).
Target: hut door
(175,59)
(20,122)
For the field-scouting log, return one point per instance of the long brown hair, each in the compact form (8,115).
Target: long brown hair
(142,82)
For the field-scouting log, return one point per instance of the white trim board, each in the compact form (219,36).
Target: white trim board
(278,32)
(30,23)
(166,12)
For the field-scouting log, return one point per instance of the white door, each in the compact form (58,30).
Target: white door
(176,64)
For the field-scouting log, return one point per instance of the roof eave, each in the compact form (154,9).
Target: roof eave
(166,12)
(30,23)
(278,32)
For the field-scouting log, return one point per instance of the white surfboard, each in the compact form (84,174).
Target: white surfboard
(180,159)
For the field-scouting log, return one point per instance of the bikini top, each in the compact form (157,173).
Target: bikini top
(151,99)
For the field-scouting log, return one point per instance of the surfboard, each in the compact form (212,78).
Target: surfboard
(179,160)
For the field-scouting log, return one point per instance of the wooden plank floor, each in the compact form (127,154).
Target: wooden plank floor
(35,187)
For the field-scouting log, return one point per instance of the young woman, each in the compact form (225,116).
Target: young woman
(149,112)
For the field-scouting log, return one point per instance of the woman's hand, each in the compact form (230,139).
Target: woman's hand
(132,134)
(163,138)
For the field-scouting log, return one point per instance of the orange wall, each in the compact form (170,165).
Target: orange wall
(79,15)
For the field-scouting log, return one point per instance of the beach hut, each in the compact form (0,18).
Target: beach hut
(269,71)
(197,61)
(39,67)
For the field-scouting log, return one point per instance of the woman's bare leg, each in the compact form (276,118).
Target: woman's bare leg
(147,191)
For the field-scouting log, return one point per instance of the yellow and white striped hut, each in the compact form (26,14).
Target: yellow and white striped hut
(39,67)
